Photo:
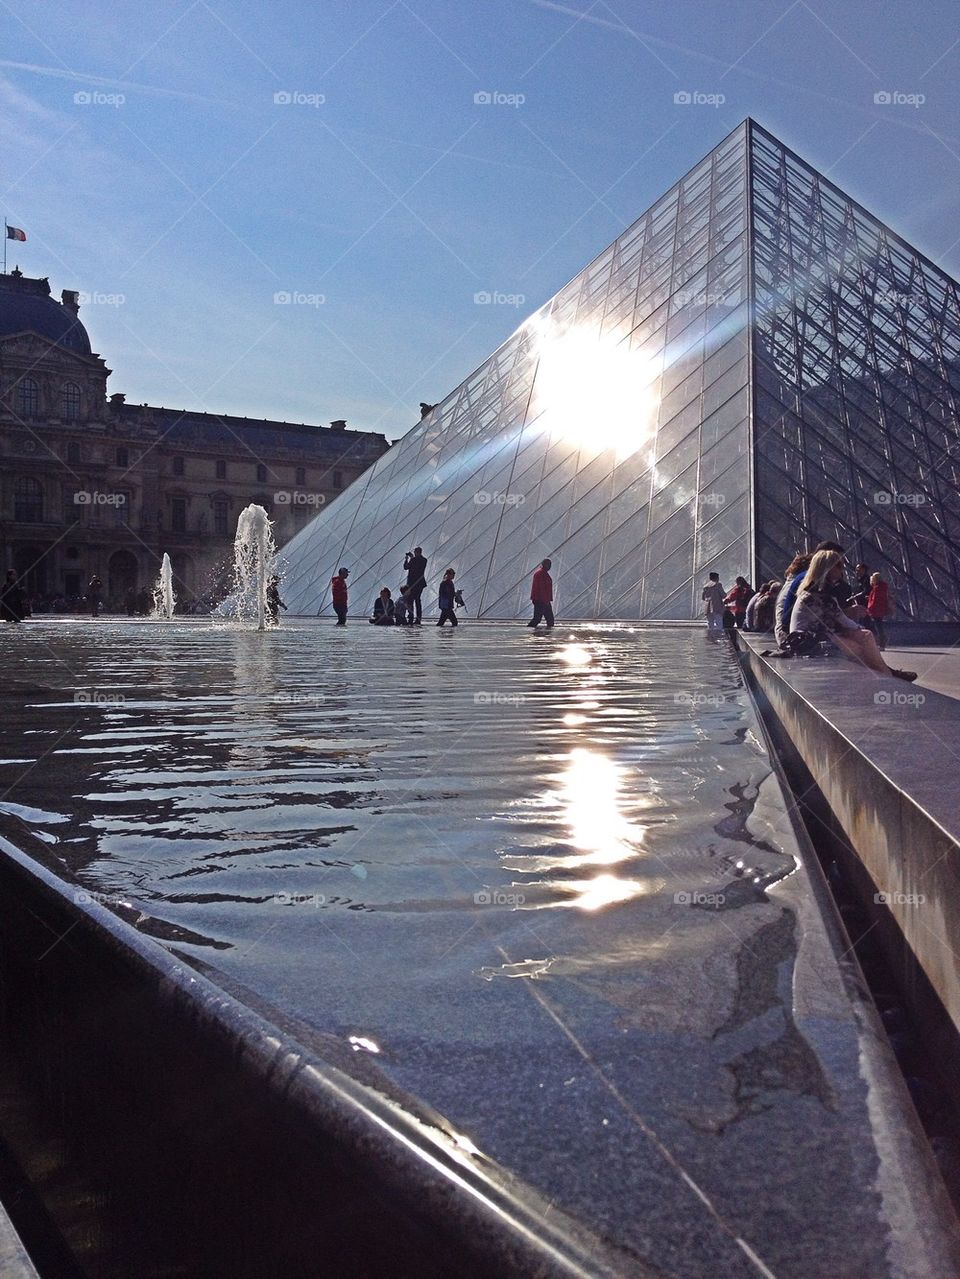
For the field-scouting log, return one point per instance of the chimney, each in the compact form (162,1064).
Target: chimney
(338,425)
(71,300)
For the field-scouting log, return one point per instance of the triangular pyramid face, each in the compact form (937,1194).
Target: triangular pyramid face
(640,433)
(857,388)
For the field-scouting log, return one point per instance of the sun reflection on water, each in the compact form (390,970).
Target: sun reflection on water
(604,890)
(575,655)
(589,803)
(591,794)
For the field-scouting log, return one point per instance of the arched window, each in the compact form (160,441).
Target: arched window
(27,500)
(70,401)
(28,397)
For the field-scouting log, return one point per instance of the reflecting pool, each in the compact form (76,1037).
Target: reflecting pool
(542,879)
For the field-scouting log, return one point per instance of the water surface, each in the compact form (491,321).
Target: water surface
(526,872)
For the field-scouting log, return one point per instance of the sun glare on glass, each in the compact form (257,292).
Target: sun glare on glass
(594,391)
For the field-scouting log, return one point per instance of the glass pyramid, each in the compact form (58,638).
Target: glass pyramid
(755,365)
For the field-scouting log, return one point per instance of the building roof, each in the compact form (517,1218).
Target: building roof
(27,307)
(223,431)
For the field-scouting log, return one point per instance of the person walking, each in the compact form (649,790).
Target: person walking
(878,608)
(541,595)
(13,599)
(274,602)
(416,565)
(338,589)
(94,595)
(712,596)
(447,599)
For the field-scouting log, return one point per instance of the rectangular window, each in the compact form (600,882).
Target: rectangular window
(28,500)
(178,514)
(121,511)
(178,466)
(301,475)
(221,469)
(28,397)
(261,473)
(123,457)
(70,401)
(338,479)
(220,518)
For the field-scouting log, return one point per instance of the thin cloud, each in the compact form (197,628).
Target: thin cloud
(724,63)
(82,77)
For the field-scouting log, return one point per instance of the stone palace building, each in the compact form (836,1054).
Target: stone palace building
(90,484)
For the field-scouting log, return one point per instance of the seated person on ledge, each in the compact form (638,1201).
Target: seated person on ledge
(383,609)
(817,612)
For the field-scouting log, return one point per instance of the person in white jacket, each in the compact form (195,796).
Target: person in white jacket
(712,596)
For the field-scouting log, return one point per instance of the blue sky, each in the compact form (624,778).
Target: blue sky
(182,195)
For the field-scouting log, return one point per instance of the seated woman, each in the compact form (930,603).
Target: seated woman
(383,609)
(760,610)
(817,612)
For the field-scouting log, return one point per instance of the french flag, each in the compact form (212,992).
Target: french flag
(14,233)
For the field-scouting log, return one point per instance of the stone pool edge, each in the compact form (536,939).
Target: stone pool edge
(446,1203)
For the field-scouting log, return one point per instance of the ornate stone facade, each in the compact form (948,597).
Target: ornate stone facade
(93,485)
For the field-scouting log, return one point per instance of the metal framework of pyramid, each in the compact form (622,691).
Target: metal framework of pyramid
(755,365)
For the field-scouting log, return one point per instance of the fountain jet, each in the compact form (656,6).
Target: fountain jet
(253,552)
(164,600)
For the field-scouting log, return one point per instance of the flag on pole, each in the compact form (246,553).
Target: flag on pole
(14,233)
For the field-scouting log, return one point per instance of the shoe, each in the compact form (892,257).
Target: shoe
(533,624)
(907,675)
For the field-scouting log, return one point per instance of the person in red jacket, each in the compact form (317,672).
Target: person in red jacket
(878,608)
(737,600)
(541,595)
(338,587)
